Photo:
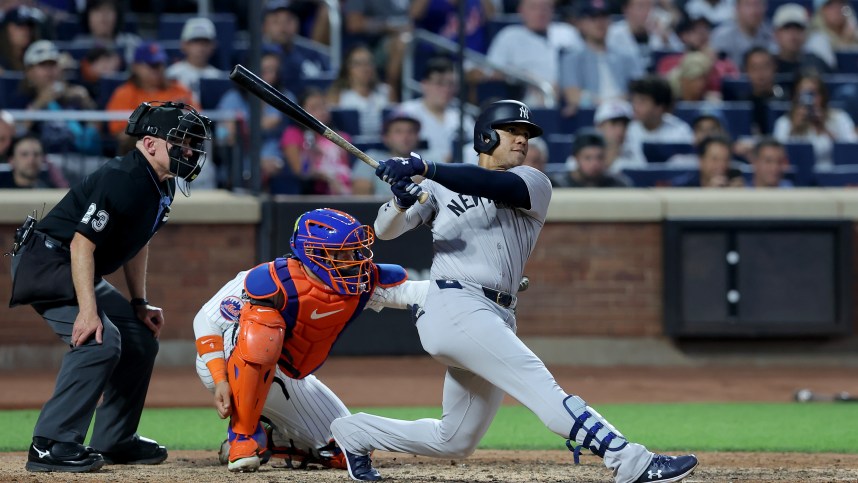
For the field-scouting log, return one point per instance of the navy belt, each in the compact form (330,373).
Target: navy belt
(501,298)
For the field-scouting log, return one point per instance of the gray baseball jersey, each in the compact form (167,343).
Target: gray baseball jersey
(480,243)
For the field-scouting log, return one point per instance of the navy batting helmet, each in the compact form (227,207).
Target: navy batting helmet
(497,114)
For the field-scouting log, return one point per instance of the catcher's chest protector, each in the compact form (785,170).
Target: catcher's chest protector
(315,316)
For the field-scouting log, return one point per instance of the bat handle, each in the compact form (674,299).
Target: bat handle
(423,196)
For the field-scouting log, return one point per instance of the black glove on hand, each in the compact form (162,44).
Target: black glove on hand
(394,169)
(404,193)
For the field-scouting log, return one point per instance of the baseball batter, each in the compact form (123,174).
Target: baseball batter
(306,301)
(485,221)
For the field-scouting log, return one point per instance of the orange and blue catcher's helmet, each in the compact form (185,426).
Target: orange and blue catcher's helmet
(335,247)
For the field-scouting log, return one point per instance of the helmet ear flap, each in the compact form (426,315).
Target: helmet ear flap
(486,140)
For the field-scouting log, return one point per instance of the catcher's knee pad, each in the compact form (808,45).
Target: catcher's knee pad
(253,363)
(590,430)
(260,334)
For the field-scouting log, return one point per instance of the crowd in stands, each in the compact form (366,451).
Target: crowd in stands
(702,93)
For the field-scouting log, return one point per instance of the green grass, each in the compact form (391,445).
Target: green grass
(667,427)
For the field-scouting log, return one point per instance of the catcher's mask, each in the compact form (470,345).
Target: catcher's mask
(336,248)
(497,114)
(184,129)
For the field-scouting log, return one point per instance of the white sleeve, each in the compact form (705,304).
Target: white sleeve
(539,187)
(844,132)
(400,296)
(220,312)
(782,128)
(391,223)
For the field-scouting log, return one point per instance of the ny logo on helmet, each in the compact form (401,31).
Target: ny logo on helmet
(524,112)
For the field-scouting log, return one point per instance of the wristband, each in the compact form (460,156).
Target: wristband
(138,301)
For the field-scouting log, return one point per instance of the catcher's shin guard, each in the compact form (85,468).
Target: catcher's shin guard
(253,363)
(590,430)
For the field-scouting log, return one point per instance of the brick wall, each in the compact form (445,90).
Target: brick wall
(594,279)
(187,264)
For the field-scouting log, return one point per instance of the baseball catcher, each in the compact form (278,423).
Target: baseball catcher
(261,337)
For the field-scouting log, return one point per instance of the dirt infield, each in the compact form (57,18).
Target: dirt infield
(417,381)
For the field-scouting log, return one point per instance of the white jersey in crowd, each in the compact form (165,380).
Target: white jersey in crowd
(671,130)
(301,410)
(189,75)
(439,133)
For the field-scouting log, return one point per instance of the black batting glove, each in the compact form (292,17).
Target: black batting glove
(394,169)
(404,193)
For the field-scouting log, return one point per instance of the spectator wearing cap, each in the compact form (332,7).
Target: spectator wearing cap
(834,29)
(20,28)
(695,35)
(790,22)
(644,28)
(715,12)
(381,23)
(29,168)
(770,163)
(235,133)
(199,40)
(540,37)
(652,101)
(749,28)
(280,25)
(43,89)
(102,25)
(357,87)
(7,133)
(589,168)
(147,82)
(595,71)
(714,170)
(612,120)
(401,136)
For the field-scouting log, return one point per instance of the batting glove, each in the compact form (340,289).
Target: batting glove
(404,193)
(394,169)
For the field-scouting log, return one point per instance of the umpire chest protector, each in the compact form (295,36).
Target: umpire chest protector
(315,315)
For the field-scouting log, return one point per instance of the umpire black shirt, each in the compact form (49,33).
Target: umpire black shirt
(119,207)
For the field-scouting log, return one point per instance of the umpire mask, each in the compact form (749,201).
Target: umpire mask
(185,130)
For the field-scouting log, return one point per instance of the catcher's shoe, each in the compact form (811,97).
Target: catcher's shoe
(360,467)
(46,455)
(666,469)
(138,451)
(245,451)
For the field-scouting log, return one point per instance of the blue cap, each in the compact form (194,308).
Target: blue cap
(149,53)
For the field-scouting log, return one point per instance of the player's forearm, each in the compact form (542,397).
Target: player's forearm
(390,222)
(83,272)
(468,179)
(400,296)
(135,273)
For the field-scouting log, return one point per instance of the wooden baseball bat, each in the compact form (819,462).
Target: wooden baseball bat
(271,96)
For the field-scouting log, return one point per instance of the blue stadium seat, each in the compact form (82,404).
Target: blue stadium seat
(802,159)
(845,154)
(776,110)
(847,62)
(842,176)
(9,82)
(736,113)
(654,175)
(170,28)
(211,90)
(106,86)
(735,89)
(582,118)
(559,148)
(547,119)
(661,152)
(346,120)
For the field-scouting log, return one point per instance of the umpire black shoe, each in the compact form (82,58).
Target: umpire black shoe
(360,467)
(46,455)
(140,451)
(666,469)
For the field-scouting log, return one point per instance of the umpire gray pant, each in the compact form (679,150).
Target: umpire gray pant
(119,369)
